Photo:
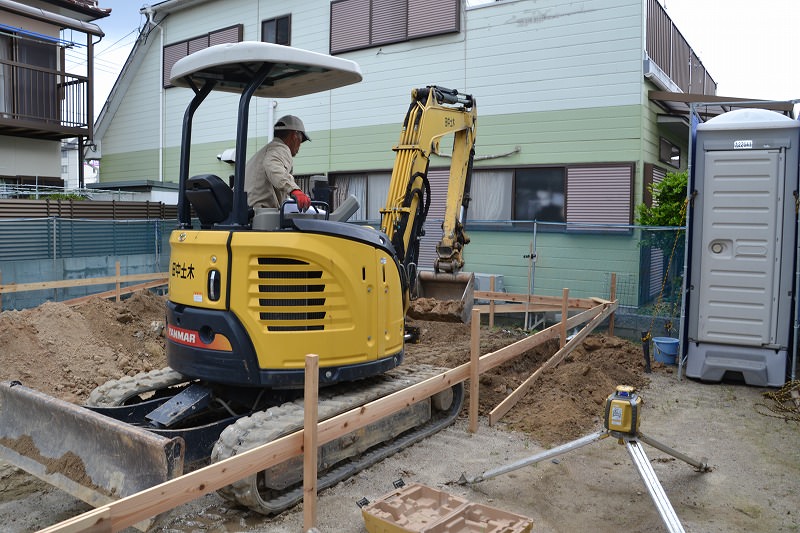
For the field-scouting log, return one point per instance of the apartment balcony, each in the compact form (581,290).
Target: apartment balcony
(43,103)
(669,54)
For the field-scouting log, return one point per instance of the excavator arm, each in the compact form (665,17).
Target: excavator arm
(434,113)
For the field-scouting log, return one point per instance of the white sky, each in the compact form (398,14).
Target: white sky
(750,47)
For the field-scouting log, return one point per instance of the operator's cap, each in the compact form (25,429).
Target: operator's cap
(291,122)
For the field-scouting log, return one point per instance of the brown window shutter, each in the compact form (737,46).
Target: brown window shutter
(232,34)
(389,19)
(600,194)
(350,22)
(433,17)
(172,54)
(197,44)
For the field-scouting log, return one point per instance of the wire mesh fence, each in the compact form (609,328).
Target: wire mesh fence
(646,264)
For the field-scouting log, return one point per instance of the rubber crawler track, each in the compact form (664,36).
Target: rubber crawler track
(266,426)
(115,392)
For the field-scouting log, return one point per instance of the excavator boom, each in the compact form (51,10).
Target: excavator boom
(434,113)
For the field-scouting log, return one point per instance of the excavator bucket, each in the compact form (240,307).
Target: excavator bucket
(444,297)
(88,455)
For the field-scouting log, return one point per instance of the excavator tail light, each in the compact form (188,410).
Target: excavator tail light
(213,285)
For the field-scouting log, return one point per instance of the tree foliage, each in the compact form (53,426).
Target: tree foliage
(668,210)
(669,197)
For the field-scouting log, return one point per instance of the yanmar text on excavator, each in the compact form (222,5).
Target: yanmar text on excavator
(251,292)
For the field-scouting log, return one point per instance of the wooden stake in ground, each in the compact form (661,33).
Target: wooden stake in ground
(117,293)
(491,303)
(612,295)
(310,442)
(474,369)
(564,314)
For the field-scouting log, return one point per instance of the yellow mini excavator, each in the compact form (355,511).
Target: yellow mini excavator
(251,292)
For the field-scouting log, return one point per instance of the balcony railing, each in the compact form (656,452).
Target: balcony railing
(668,49)
(42,102)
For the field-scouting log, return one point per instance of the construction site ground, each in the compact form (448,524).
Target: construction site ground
(67,351)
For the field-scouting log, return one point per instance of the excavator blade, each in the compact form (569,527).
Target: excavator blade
(88,455)
(444,297)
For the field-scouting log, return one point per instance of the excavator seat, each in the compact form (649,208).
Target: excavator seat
(211,198)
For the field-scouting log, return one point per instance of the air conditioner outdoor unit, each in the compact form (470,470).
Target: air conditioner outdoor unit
(483,281)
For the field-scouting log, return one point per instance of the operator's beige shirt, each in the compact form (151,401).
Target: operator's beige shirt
(268,176)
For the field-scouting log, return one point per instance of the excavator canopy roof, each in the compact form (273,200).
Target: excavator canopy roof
(295,72)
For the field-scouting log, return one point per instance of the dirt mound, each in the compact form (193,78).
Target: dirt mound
(68,351)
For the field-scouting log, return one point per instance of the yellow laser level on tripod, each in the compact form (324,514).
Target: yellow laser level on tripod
(622,411)
(621,420)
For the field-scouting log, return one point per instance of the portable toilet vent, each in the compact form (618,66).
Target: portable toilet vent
(742,247)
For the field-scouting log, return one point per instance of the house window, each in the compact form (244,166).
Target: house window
(490,194)
(669,153)
(369,189)
(581,194)
(539,194)
(586,197)
(357,24)
(175,51)
(277,30)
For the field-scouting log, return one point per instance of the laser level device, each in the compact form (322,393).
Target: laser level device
(622,411)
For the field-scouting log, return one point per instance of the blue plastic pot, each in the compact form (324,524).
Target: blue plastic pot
(666,350)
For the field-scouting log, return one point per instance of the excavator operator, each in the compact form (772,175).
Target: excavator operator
(268,178)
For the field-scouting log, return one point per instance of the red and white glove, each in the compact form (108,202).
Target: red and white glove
(302,199)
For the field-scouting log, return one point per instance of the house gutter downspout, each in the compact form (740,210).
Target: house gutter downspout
(147,10)
(161,96)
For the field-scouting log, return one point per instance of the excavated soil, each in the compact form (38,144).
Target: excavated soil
(439,310)
(67,351)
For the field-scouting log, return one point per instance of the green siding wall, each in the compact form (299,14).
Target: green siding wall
(596,135)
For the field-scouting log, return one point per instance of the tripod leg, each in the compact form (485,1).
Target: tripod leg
(701,466)
(547,454)
(657,494)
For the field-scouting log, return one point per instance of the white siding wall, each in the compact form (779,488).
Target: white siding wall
(552,55)
(135,124)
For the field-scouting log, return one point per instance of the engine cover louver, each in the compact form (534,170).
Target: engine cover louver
(292,294)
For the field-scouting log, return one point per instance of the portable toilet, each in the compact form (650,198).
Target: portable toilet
(742,233)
